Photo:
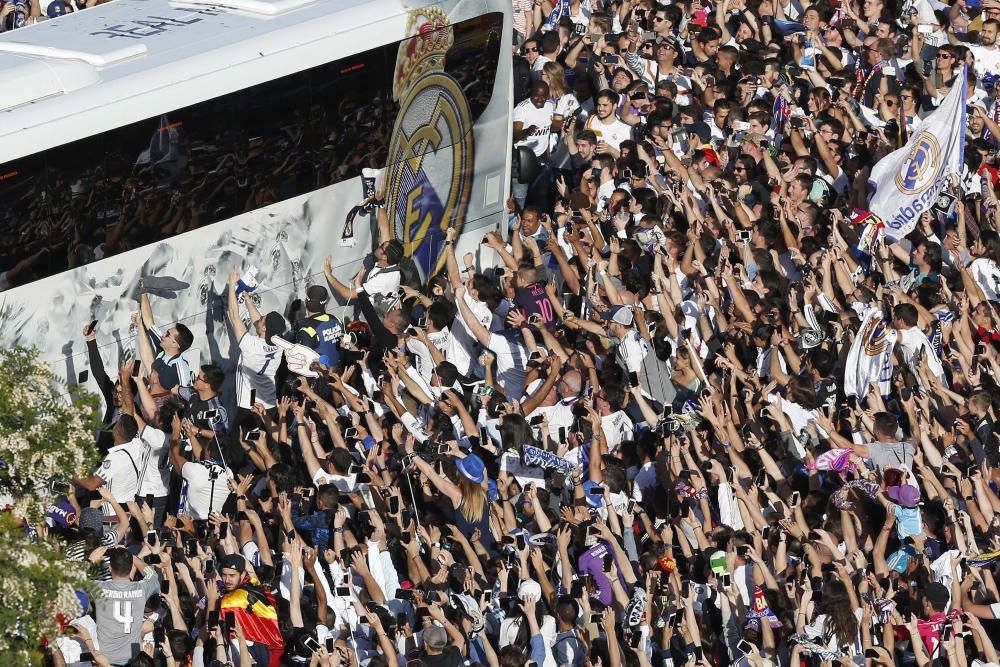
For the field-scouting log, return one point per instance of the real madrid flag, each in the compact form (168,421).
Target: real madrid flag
(907,181)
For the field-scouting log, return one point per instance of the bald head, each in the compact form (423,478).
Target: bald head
(571,385)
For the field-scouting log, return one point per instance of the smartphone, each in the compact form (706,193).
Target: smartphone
(213,619)
(536,420)
(972,470)
(350,432)
(521,544)
(794,500)
(595,618)
(744,647)
(726,579)
(209,567)
(151,537)
(329,644)
(224,530)
(443,449)
(608,559)
(685,589)
(210,415)
(596,491)
(871,653)
(253,397)
(230,619)
(135,369)
(393,505)
(766,533)
(633,379)
(562,434)
(946,632)
(191,548)
(165,587)
(310,643)
(253,435)
(635,639)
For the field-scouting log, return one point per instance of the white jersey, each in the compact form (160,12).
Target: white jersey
(618,428)
(205,495)
(613,133)
(462,344)
(154,467)
(120,472)
(258,364)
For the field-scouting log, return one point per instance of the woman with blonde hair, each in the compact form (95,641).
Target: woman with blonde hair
(468,497)
(560,93)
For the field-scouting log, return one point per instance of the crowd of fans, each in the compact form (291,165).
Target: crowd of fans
(620,434)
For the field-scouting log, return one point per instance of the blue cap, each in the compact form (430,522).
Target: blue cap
(492,492)
(55,9)
(368,442)
(593,501)
(472,468)
(899,560)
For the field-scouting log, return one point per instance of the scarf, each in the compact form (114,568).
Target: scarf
(840,496)
(862,79)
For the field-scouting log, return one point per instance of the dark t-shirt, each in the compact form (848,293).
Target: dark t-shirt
(452,657)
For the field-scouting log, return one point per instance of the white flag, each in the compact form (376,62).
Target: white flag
(907,181)
(870,357)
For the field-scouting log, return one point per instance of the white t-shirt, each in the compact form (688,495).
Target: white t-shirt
(120,472)
(258,364)
(528,114)
(204,496)
(463,345)
(344,483)
(512,361)
(613,134)
(154,468)
(987,60)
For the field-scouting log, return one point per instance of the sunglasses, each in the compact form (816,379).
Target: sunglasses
(533,49)
(944,56)
(657,19)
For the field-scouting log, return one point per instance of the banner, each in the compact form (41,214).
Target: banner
(870,357)
(908,180)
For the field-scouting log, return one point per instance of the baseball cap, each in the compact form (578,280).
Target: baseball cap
(472,468)
(316,297)
(904,495)
(234,562)
(620,314)
(435,637)
(92,520)
(900,560)
(55,9)
(529,587)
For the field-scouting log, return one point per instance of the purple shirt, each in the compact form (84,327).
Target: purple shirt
(591,562)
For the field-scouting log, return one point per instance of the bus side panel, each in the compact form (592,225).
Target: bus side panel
(287,241)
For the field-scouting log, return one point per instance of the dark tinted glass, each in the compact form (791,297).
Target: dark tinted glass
(191,167)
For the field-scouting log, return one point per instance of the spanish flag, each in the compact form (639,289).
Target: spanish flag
(257,614)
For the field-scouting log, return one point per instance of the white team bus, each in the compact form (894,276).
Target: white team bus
(171,140)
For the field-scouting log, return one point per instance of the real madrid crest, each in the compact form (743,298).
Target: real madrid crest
(431,152)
